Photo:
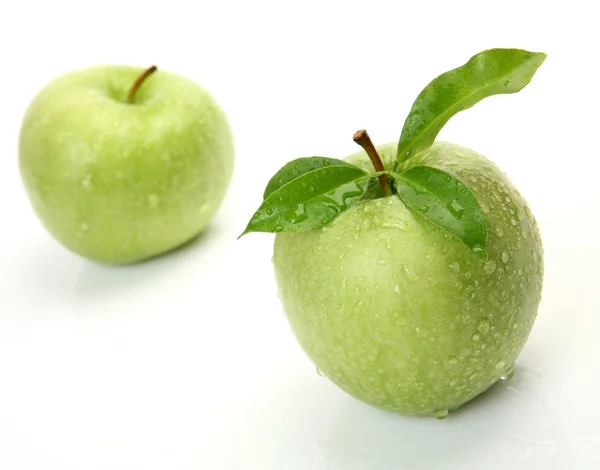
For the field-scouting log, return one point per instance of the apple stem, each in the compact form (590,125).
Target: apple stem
(138,83)
(362,138)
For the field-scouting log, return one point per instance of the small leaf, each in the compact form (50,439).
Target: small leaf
(292,170)
(311,200)
(491,72)
(444,201)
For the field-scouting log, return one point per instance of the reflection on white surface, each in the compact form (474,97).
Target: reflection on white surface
(308,424)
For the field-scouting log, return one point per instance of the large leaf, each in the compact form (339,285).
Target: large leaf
(491,72)
(295,168)
(444,201)
(311,200)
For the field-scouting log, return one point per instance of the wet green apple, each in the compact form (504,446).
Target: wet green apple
(120,165)
(400,314)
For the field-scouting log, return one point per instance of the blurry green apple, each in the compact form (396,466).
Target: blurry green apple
(413,287)
(122,164)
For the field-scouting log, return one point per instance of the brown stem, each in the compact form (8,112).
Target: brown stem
(362,138)
(138,83)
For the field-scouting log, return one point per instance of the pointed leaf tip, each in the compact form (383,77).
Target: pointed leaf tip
(443,200)
(491,72)
(302,202)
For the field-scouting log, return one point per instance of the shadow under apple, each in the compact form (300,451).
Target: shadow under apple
(508,426)
(96,279)
(306,422)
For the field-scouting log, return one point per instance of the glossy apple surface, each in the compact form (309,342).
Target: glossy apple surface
(400,314)
(119,182)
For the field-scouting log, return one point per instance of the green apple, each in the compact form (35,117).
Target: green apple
(400,314)
(410,273)
(121,165)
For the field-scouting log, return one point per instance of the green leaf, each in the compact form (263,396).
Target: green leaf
(444,201)
(491,72)
(311,200)
(292,170)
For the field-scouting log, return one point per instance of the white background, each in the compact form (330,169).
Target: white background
(186,361)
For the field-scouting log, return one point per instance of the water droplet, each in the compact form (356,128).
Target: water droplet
(456,209)
(475,337)
(455,266)
(453,382)
(452,360)
(269,211)
(499,231)
(520,271)
(473,376)
(489,267)
(473,359)
(484,207)
(509,374)
(278,228)
(479,251)
(311,189)
(397,288)
(325,220)
(395,224)
(440,414)
(319,372)
(513,221)
(500,364)
(424,208)
(505,257)
(84,227)
(153,200)
(483,326)
(87,183)
(528,211)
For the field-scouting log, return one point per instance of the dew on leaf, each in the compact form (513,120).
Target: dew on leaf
(456,209)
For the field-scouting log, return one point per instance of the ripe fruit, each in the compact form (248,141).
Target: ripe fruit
(400,314)
(413,287)
(121,165)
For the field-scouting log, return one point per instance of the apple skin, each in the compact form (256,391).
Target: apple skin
(403,316)
(118,182)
